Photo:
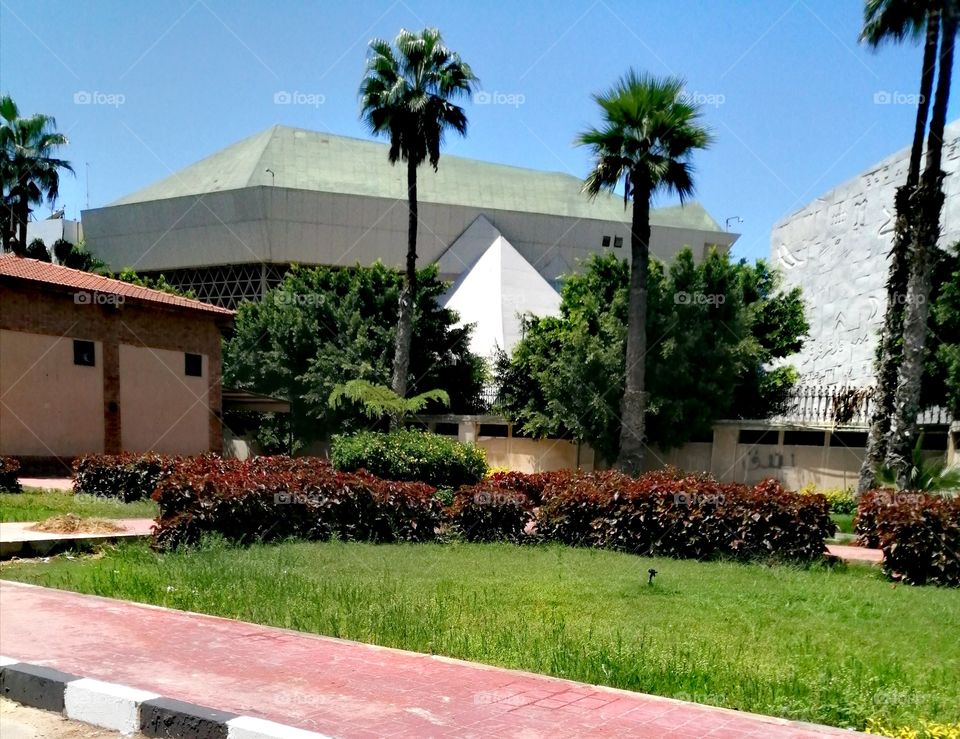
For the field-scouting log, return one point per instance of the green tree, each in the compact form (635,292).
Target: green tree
(37,249)
(648,135)
(407,94)
(322,327)
(714,329)
(895,20)
(927,199)
(29,173)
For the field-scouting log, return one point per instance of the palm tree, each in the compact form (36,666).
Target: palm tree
(648,135)
(28,171)
(925,234)
(895,20)
(406,95)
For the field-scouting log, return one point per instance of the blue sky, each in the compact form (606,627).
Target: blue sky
(144,89)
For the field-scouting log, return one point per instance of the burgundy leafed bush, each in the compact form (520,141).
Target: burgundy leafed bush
(666,513)
(486,512)
(270,498)
(9,469)
(127,477)
(918,533)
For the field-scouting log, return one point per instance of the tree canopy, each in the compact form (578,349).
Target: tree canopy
(323,327)
(714,329)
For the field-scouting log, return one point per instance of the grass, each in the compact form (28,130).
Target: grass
(838,646)
(39,505)
(844,522)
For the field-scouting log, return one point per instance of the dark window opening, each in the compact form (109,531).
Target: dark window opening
(493,429)
(853,439)
(934,442)
(448,429)
(84,353)
(606,241)
(754,436)
(803,438)
(193,365)
(618,242)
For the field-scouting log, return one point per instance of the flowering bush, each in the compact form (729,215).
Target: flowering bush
(127,477)
(842,500)
(9,469)
(411,456)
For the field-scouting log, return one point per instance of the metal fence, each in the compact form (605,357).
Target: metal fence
(843,405)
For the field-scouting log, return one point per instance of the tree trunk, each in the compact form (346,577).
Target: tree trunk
(632,439)
(890,355)
(401,352)
(926,234)
(23,215)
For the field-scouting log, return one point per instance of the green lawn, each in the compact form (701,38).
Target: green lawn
(844,522)
(834,646)
(38,505)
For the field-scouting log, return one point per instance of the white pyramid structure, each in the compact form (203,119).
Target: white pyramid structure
(496,287)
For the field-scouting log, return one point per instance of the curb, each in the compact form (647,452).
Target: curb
(129,710)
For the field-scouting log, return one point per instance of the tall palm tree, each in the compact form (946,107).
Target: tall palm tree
(28,171)
(925,235)
(406,94)
(896,20)
(648,135)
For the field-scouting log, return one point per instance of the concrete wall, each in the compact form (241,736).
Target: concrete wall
(48,405)
(275,224)
(836,250)
(164,410)
(535,455)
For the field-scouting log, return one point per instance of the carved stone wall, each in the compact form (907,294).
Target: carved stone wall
(836,249)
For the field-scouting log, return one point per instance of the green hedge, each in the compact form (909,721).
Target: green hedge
(410,456)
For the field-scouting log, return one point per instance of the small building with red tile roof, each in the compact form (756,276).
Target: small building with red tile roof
(90,364)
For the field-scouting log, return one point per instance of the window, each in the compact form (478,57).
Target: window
(606,241)
(757,436)
(803,438)
(193,365)
(84,353)
(618,242)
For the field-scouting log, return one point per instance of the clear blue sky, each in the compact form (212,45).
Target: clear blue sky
(791,95)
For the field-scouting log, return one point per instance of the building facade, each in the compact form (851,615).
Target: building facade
(837,250)
(229,226)
(94,365)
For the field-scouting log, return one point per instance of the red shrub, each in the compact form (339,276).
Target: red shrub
(9,469)
(918,533)
(488,512)
(271,498)
(127,477)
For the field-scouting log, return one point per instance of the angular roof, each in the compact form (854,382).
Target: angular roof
(496,288)
(32,270)
(312,160)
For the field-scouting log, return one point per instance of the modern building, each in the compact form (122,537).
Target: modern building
(91,365)
(229,226)
(51,230)
(837,250)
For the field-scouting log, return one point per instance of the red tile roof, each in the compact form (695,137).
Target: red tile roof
(33,270)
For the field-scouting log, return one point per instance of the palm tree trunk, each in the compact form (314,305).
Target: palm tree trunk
(23,215)
(926,233)
(404,338)
(634,408)
(888,365)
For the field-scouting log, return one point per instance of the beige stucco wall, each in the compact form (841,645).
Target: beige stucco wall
(162,410)
(48,405)
(534,455)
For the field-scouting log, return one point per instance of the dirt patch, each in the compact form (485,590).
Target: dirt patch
(71,523)
(21,722)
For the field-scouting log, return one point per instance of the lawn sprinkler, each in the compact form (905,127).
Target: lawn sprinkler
(651,573)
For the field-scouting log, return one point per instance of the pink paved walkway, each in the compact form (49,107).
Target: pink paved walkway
(857,554)
(47,483)
(336,687)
